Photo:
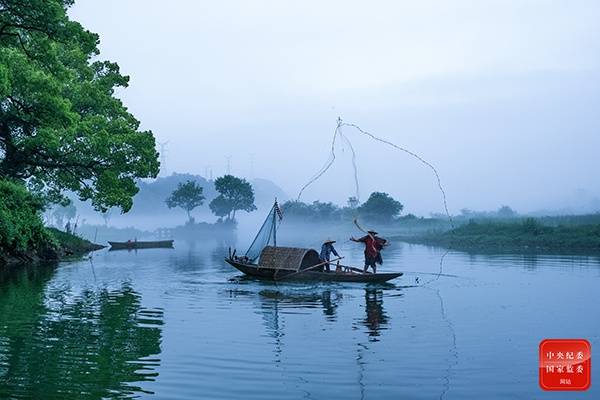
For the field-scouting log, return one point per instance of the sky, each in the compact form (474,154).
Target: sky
(502,97)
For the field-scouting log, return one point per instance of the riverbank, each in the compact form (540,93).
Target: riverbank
(59,246)
(23,236)
(187,231)
(515,236)
(73,246)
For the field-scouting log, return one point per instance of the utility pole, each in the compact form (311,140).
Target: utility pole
(228,164)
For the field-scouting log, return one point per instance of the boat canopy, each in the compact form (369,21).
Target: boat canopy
(288,258)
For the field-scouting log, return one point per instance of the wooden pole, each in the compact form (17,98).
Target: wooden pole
(313,267)
(274,225)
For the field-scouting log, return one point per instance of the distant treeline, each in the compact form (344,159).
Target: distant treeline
(529,234)
(380,207)
(383,208)
(466,214)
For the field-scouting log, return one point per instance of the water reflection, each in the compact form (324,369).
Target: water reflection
(273,301)
(327,299)
(58,343)
(376,318)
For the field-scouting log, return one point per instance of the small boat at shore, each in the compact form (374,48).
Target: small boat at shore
(137,244)
(294,263)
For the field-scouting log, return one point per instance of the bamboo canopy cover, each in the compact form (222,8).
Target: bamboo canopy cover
(288,258)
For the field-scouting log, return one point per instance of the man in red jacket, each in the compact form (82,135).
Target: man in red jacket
(373,247)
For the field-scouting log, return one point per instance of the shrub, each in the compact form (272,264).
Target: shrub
(21,227)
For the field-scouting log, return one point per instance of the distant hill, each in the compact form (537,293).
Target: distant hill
(149,202)
(266,191)
(151,197)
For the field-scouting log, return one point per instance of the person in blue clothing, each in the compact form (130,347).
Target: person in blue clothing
(326,251)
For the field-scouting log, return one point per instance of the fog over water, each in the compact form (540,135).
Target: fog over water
(502,97)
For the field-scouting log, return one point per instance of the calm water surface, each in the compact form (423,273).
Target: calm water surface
(181,324)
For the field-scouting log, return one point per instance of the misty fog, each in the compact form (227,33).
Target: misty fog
(501,97)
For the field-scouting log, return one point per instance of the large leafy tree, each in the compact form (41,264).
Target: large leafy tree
(221,207)
(235,194)
(188,196)
(380,207)
(61,127)
(62,213)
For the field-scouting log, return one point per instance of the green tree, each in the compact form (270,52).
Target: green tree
(61,127)
(62,213)
(353,202)
(220,206)
(106,216)
(234,194)
(380,207)
(324,211)
(506,212)
(188,196)
(297,209)
(21,228)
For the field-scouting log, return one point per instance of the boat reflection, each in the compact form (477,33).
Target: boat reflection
(328,300)
(277,300)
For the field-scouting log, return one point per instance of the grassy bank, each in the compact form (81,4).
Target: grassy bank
(71,245)
(23,236)
(56,246)
(517,235)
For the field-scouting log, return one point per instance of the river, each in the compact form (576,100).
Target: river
(182,324)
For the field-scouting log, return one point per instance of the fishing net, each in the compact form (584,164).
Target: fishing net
(265,236)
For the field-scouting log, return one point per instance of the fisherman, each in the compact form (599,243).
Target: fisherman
(326,251)
(373,247)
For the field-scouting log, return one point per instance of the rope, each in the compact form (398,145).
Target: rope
(331,159)
(327,165)
(356,184)
(428,164)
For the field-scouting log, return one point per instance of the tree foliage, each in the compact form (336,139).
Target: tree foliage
(506,212)
(21,228)
(61,127)
(380,207)
(62,213)
(316,211)
(220,206)
(188,196)
(353,202)
(235,194)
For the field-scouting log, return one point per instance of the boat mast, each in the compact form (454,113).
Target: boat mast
(274,224)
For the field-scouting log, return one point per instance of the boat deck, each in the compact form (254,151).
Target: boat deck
(330,276)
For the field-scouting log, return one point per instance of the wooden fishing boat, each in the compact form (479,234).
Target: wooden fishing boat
(293,263)
(346,274)
(136,244)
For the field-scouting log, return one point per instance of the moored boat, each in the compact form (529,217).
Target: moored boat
(136,244)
